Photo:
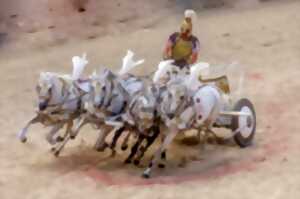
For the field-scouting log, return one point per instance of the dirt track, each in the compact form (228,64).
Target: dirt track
(265,41)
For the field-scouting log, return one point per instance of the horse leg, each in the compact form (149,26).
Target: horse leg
(68,131)
(58,150)
(150,141)
(22,134)
(100,143)
(74,132)
(135,148)
(124,145)
(212,118)
(65,140)
(53,131)
(163,158)
(115,139)
(167,141)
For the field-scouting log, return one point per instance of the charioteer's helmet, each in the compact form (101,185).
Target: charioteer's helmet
(186,26)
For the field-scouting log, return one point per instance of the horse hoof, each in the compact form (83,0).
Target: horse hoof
(56,153)
(136,162)
(23,140)
(127,161)
(161,166)
(124,147)
(146,175)
(59,139)
(72,137)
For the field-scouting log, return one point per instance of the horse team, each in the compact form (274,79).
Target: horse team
(147,108)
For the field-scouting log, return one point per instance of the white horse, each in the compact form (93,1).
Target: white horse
(166,71)
(110,95)
(59,102)
(51,95)
(141,118)
(187,103)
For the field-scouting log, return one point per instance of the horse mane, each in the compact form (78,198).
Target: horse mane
(162,69)
(128,63)
(79,64)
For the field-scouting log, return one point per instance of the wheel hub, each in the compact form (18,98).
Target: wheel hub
(245,122)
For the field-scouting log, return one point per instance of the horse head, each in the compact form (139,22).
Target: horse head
(174,99)
(166,72)
(44,89)
(102,87)
(143,109)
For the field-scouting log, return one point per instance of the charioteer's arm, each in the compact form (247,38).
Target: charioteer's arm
(193,58)
(195,51)
(167,53)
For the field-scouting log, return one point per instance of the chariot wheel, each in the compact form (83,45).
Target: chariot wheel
(243,124)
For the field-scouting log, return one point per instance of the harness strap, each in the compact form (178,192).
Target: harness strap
(66,101)
(110,96)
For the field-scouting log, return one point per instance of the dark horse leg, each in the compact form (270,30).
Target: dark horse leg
(163,157)
(115,139)
(135,147)
(150,140)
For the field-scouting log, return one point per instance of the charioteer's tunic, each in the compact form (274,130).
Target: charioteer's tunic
(182,49)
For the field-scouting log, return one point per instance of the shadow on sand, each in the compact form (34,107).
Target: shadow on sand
(99,166)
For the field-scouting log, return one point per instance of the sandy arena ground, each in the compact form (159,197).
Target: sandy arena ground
(264,40)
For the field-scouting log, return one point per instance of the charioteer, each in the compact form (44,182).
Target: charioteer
(183,47)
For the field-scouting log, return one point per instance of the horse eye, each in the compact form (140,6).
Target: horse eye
(103,88)
(168,73)
(181,97)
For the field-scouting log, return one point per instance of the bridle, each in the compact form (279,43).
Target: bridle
(65,97)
